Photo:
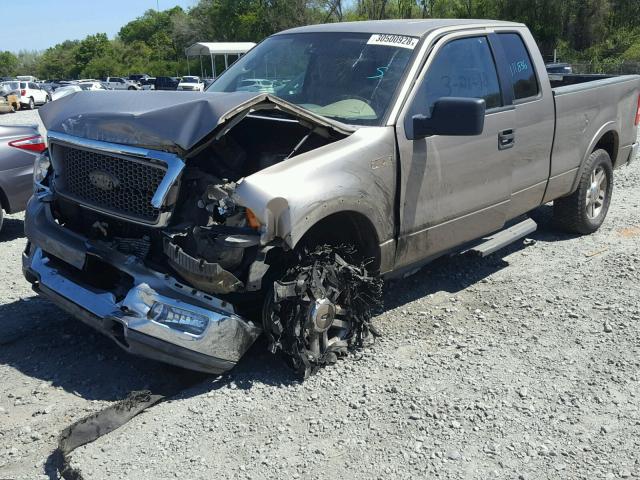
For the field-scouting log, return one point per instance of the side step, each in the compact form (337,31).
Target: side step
(504,237)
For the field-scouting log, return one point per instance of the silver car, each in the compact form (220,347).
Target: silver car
(19,144)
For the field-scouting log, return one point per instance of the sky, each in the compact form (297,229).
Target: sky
(39,24)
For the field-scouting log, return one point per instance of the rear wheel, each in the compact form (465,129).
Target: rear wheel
(320,308)
(585,209)
(32,104)
(1,218)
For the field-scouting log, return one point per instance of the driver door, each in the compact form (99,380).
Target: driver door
(454,188)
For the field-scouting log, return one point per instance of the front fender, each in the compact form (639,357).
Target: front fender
(357,173)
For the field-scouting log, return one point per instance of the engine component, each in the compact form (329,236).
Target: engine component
(206,276)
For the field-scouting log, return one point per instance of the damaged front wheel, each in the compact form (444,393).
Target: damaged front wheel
(321,307)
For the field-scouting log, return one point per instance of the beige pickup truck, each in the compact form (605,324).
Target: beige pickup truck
(184,225)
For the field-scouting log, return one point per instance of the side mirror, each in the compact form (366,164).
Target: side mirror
(454,116)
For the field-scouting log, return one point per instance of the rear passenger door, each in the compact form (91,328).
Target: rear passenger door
(454,188)
(534,118)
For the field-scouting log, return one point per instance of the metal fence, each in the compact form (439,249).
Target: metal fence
(610,68)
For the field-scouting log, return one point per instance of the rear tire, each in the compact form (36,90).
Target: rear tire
(1,218)
(32,104)
(584,211)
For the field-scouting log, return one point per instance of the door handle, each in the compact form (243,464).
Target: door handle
(506,139)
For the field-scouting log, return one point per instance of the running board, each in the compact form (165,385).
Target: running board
(504,237)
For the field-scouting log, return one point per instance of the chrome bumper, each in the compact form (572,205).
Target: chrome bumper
(218,348)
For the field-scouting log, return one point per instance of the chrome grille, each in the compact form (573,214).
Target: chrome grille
(121,186)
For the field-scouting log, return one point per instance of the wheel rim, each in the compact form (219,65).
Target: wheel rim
(596,193)
(322,335)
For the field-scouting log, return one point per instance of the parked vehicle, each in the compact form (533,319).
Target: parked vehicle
(138,77)
(11,88)
(256,85)
(6,106)
(560,68)
(192,84)
(27,78)
(64,91)
(184,225)
(10,92)
(119,83)
(19,144)
(148,83)
(31,95)
(166,83)
(91,85)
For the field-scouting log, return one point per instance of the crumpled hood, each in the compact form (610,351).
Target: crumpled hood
(163,120)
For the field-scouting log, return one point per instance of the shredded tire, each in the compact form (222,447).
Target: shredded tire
(327,272)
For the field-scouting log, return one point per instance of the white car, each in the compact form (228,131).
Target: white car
(256,85)
(32,95)
(91,85)
(193,84)
(64,91)
(119,83)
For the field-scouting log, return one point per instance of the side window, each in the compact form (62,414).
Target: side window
(462,68)
(523,73)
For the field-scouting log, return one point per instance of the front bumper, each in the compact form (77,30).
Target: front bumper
(126,320)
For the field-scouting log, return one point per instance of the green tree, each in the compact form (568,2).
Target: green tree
(8,64)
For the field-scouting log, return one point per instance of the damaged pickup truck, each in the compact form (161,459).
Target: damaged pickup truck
(184,225)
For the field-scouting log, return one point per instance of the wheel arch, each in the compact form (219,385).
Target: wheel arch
(346,226)
(606,139)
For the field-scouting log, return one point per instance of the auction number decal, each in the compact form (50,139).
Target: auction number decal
(402,41)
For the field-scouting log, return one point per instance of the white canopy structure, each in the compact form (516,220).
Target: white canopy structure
(212,49)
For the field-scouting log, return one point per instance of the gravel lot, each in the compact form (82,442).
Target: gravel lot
(521,365)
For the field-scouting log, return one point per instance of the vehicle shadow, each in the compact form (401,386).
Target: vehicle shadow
(12,229)
(457,272)
(43,342)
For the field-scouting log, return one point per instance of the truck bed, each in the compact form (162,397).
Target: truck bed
(587,107)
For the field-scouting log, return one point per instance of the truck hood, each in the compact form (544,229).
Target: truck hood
(166,120)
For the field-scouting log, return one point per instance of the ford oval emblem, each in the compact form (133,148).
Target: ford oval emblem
(103,180)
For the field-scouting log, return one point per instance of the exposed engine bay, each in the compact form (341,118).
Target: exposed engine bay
(210,241)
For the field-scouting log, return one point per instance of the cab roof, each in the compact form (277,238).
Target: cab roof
(411,27)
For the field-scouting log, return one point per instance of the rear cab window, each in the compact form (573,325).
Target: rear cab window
(521,68)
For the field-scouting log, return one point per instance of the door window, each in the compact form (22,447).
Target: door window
(462,68)
(523,74)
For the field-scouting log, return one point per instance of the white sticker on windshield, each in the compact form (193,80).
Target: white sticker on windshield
(393,40)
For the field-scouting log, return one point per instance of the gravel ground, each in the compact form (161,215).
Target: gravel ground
(521,365)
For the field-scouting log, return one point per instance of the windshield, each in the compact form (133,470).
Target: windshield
(190,79)
(351,77)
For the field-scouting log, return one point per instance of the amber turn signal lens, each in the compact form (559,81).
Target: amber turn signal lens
(252,220)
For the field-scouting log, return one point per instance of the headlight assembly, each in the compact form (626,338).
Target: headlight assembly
(41,168)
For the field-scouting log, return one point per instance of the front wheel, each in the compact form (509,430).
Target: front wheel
(1,218)
(131,88)
(585,209)
(320,308)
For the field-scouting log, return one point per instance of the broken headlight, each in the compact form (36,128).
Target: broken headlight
(178,318)
(41,167)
